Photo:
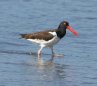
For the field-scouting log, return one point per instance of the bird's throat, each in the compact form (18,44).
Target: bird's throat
(61,32)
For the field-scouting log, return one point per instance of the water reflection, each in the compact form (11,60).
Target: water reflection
(32,68)
(50,70)
(41,62)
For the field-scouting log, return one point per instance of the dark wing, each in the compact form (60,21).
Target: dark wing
(44,35)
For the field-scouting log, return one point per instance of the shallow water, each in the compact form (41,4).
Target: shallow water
(18,67)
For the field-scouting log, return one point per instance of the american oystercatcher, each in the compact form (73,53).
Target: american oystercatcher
(49,38)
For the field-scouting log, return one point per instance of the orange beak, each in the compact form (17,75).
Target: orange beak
(73,31)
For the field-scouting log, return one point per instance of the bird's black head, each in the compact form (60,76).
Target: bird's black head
(63,24)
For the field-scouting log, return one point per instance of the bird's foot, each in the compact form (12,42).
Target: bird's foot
(57,55)
(39,54)
(30,53)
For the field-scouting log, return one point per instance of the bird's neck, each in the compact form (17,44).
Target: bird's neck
(61,31)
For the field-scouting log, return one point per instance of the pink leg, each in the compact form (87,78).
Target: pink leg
(39,51)
(52,50)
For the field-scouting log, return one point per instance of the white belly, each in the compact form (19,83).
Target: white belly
(44,43)
(52,42)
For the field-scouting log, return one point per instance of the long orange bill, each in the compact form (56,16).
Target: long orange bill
(73,31)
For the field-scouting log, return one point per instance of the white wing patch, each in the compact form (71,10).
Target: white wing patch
(53,33)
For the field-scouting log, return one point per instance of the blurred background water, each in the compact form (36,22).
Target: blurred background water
(76,68)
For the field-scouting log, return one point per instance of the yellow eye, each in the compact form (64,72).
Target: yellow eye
(64,23)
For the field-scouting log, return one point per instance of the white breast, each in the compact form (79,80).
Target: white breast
(52,42)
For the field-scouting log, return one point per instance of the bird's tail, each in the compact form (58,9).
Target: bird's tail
(26,36)
(23,35)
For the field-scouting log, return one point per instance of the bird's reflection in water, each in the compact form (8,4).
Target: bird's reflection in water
(42,62)
(50,70)
(46,69)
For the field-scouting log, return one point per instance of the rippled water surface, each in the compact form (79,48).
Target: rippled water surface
(78,66)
